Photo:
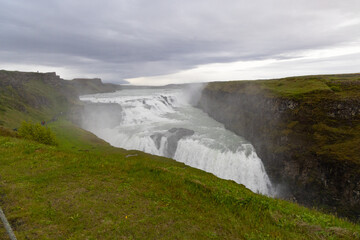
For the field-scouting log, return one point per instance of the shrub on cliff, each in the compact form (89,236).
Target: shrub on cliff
(37,133)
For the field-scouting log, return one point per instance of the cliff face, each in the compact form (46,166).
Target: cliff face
(308,138)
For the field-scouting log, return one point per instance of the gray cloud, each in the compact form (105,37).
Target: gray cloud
(123,39)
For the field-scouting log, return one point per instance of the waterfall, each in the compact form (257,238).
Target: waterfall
(160,122)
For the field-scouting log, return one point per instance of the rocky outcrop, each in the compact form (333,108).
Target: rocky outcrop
(172,138)
(308,144)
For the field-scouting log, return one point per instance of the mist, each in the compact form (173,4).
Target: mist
(99,115)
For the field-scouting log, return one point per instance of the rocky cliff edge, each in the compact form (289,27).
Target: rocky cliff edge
(306,130)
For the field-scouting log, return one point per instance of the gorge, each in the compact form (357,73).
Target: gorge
(304,130)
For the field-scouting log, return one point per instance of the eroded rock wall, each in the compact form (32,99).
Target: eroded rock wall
(289,136)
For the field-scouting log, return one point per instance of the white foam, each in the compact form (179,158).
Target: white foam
(242,166)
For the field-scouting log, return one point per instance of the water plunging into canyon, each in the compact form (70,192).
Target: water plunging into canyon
(162,122)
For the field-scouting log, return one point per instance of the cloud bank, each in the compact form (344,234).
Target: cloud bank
(159,42)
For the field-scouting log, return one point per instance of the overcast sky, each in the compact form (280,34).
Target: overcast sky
(175,41)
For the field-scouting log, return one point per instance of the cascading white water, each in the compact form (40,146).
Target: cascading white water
(159,121)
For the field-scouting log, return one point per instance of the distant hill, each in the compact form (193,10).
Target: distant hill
(93,85)
(40,96)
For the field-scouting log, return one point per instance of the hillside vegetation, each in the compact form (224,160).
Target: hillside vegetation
(32,96)
(83,188)
(87,189)
(339,85)
(42,96)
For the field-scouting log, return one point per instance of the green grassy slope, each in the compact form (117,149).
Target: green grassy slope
(85,189)
(41,96)
(342,85)
(32,96)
